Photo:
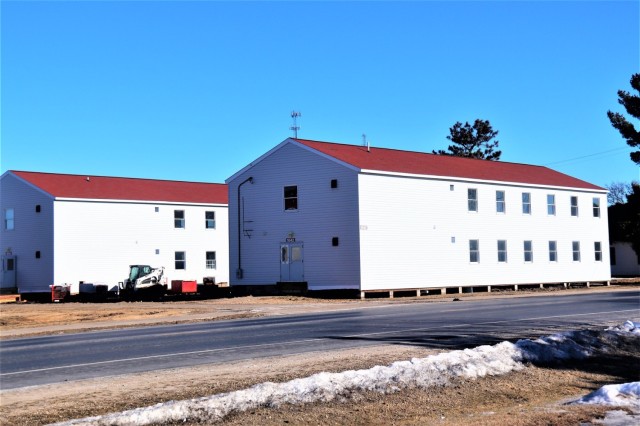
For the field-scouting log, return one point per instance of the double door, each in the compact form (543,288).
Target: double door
(292,262)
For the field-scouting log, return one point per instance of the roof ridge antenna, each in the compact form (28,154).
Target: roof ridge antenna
(295,127)
(365,142)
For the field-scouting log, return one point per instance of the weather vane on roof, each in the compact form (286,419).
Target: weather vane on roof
(295,127)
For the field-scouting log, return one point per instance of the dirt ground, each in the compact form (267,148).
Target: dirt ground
(534,396)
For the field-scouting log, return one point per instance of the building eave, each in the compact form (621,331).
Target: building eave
(482,181)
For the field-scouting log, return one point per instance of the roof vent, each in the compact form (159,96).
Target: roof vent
(88,179)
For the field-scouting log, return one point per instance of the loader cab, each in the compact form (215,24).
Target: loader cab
(138,271)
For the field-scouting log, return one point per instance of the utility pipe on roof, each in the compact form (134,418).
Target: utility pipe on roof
(239,272)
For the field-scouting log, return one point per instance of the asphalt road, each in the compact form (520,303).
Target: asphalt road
(448,325)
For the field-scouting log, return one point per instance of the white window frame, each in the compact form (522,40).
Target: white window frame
(179,222)
(180,258)
(210,223)
(474,252)
(288,199)
(553,251)
(526,203)
(472,202)
(574,206)
(596,206)
(502,252)
(551,205)
(501,202)
(597,249)
(210,263)
(9,219)
(528,251)
(575,250)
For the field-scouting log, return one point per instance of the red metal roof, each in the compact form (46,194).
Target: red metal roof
(420,163)
(119,188)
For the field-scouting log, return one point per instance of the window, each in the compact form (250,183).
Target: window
(500,206)
(612,255)
(597,248)
(291,198)
(210,220)
(472,197)
(574,206)
(474,251)
(181,260)
(528,251)
(211,260)
(156,209)
(553,251)
(596,207)
(335,241)
(526,203)
(576,250)
(334,183)
(502,250)
(178,218)
(38,208)
(157,251)
(451,187)
(8,219)
(38,254)
(551,204)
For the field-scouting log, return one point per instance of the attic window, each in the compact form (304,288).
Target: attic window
(38,254)
(157,209)
(335,242)
(334,183)
(291,198)
(451,187)
(38,208)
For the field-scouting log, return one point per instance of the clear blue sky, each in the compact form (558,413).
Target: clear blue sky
(197,90)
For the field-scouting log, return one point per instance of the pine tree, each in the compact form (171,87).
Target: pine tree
(472,141)
(632,104)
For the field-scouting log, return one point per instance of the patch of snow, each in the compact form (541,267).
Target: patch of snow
(617,418)
(435,370)
(629,326)
(623,395)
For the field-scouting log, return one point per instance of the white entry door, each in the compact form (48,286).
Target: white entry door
(8,271)
(292,262)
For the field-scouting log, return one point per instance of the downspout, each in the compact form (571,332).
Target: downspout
(239,270)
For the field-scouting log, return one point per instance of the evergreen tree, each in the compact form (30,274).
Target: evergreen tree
(624,220)
(632,104)
(472,141)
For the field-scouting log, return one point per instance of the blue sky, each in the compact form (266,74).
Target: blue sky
(196,90)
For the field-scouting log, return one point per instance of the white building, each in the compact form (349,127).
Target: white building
(63,229)
(624,261)
(334,216)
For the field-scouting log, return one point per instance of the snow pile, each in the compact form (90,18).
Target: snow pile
(435,370)
(628,326)
(624,395)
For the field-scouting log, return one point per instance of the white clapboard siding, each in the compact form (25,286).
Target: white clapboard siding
(323,213)
(97,241)
(416,232)
(405,231)
(33,232)
(627,262)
